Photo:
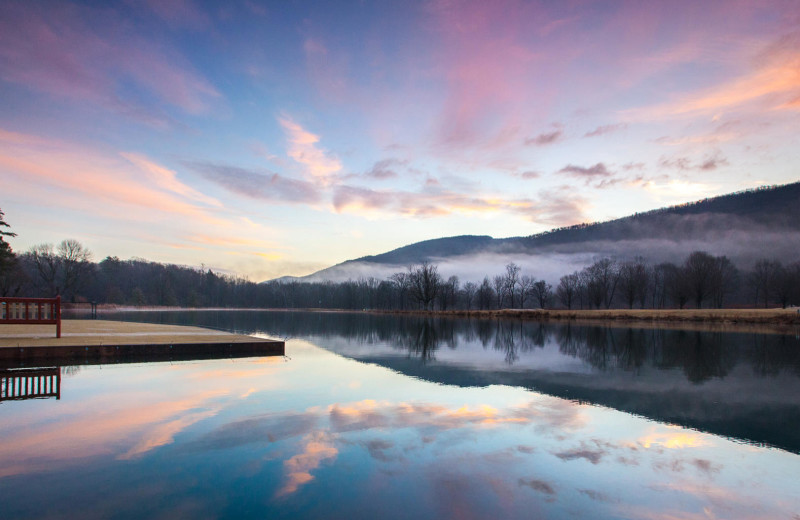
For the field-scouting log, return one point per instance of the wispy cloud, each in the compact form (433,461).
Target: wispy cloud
(385,169)
(303,148)
(545,138)
(599,170)
(774,83)
(80,174)
(605,129)
(485,69)
(167,179)
(91,55)
(708,163)
(263,186)
(552,206)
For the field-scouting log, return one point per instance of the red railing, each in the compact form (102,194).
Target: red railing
(31,311)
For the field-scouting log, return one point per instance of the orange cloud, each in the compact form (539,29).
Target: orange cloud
(676,438)
(777,85)
(167,179)
(163,434)
(99,432)
(318,448)
(99,181)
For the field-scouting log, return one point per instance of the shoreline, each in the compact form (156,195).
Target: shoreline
(781,321)
(789,316)
(778,320)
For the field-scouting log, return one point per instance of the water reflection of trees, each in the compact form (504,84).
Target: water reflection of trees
(700,355)
(769,354)
(602,347)
(515,337)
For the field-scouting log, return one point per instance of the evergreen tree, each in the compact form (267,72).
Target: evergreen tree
(8,260)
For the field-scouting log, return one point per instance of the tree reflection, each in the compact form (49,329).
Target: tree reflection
(700,355)
(772,353)
(426,341)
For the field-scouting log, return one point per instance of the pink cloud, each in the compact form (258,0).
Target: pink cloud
(776,87)
(485,61)
(303,148)
(551,207)
(88,55)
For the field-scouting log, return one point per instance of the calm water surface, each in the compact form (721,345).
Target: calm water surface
(379,416)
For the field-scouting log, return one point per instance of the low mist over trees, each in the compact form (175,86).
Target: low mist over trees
(701,281)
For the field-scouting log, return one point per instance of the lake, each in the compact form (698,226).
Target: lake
(380,416)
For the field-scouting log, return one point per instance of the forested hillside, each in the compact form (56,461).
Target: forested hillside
(743,225)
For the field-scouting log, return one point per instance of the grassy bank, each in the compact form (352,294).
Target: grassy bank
(756,320)
(777,320)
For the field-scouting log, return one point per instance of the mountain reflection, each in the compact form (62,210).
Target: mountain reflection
(741,385)
(700,355)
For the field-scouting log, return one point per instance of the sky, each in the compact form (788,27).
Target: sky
(266,139)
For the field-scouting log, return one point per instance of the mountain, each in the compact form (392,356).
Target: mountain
(746,225)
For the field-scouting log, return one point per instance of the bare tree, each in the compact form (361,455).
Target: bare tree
(525,283)
(658,285)
(543,292)
(699,271)
(400,281)
(469,291)
(602,278)
(568,288)
(583,289)
(425,283)
(62,270)
(485,294)
(512,276)
(448,292)
(675,283)
(633,281)
(500,287)
(76,264)
(46,266)
(763,279)
(723,280)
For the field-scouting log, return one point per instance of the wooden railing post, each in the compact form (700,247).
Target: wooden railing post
(58,316)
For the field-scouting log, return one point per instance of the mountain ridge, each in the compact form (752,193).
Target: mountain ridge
(726,223)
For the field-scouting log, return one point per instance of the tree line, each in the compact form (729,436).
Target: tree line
(701,281)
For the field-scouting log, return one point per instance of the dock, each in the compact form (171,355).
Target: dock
(102,341)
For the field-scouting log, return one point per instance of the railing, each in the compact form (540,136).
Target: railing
(26,383)
(32,311)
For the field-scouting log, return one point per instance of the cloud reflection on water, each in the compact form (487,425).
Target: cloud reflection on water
(291,437)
